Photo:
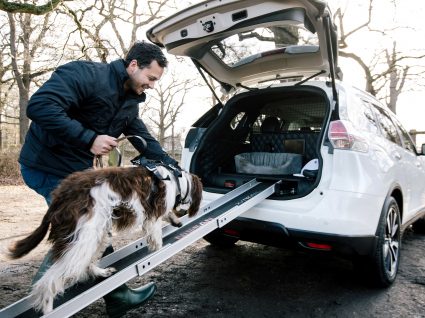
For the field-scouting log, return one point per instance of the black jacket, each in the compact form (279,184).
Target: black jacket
(80,101)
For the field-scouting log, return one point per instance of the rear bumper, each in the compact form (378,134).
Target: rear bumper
(337,213)
(275,234)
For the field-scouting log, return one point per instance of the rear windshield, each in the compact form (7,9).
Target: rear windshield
(245,47)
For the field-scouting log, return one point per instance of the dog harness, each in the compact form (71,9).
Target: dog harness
(152,166)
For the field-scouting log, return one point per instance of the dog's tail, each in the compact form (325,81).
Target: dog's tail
(23,247)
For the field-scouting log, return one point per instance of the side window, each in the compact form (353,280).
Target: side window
(370,123)
(388,128)
(407,140)
(256,126)
(363,118)
(239,118)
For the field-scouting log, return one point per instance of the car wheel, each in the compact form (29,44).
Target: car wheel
(419,226)
(382,266)
(221,240)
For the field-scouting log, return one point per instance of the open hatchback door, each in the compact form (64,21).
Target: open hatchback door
(246,42)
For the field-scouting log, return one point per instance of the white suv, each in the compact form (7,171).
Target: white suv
(351,178)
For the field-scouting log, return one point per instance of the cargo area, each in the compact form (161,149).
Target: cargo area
(271,134)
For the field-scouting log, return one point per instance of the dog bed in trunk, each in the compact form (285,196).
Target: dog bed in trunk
(268,163)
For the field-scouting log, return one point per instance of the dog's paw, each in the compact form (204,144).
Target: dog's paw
(173,219)
(177,224)
(109,271)
(154,245)
(180,213)
(102,272)
(42,303)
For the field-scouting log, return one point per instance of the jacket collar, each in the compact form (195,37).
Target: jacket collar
(119,69)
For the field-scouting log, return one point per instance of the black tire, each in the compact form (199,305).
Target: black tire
(419,226)
(221,240)
(381,267)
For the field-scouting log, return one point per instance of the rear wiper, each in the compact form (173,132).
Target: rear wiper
(310,77)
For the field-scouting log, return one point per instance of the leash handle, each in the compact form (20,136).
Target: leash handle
(98,161)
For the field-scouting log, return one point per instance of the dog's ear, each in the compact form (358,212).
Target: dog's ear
(196,195)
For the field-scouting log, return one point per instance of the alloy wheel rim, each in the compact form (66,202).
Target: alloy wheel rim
(391,242)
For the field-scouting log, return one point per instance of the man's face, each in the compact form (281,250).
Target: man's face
(141,79)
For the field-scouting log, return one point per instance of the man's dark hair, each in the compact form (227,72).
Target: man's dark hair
(144,53)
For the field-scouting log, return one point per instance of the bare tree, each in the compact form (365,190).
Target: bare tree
(401,70)
(109,27)
(165,105)
(25,7)
(6,80)
(389,70)
(25,43)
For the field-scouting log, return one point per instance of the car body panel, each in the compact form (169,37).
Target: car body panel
(320,212)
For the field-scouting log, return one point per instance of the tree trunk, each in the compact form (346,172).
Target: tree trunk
(23,78)
(23,119)
(393,91)
(173,148)
(161,132)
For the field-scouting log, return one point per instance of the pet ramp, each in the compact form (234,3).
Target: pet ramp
(135,260)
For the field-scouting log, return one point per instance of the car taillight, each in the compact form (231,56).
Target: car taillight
(343,136)
(318,246)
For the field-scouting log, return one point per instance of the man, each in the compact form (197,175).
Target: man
(78,113)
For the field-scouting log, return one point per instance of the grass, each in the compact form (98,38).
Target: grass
(9,168)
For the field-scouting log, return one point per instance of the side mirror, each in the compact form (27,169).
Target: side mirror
(423,149)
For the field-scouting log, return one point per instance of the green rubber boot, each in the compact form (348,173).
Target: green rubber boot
(123,298)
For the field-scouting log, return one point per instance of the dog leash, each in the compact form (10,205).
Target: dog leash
(97,159)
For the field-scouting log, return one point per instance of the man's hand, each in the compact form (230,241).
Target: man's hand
(103,144)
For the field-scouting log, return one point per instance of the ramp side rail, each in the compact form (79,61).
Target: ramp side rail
(135,259)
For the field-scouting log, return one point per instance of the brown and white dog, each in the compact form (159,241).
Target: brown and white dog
(87,205)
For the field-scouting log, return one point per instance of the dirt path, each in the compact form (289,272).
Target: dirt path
(249,280)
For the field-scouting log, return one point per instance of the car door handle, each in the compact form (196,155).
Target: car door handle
(397,156)
(418,164)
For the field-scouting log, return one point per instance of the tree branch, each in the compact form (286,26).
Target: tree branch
(14,7)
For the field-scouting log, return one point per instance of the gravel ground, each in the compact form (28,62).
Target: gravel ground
(249,280)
